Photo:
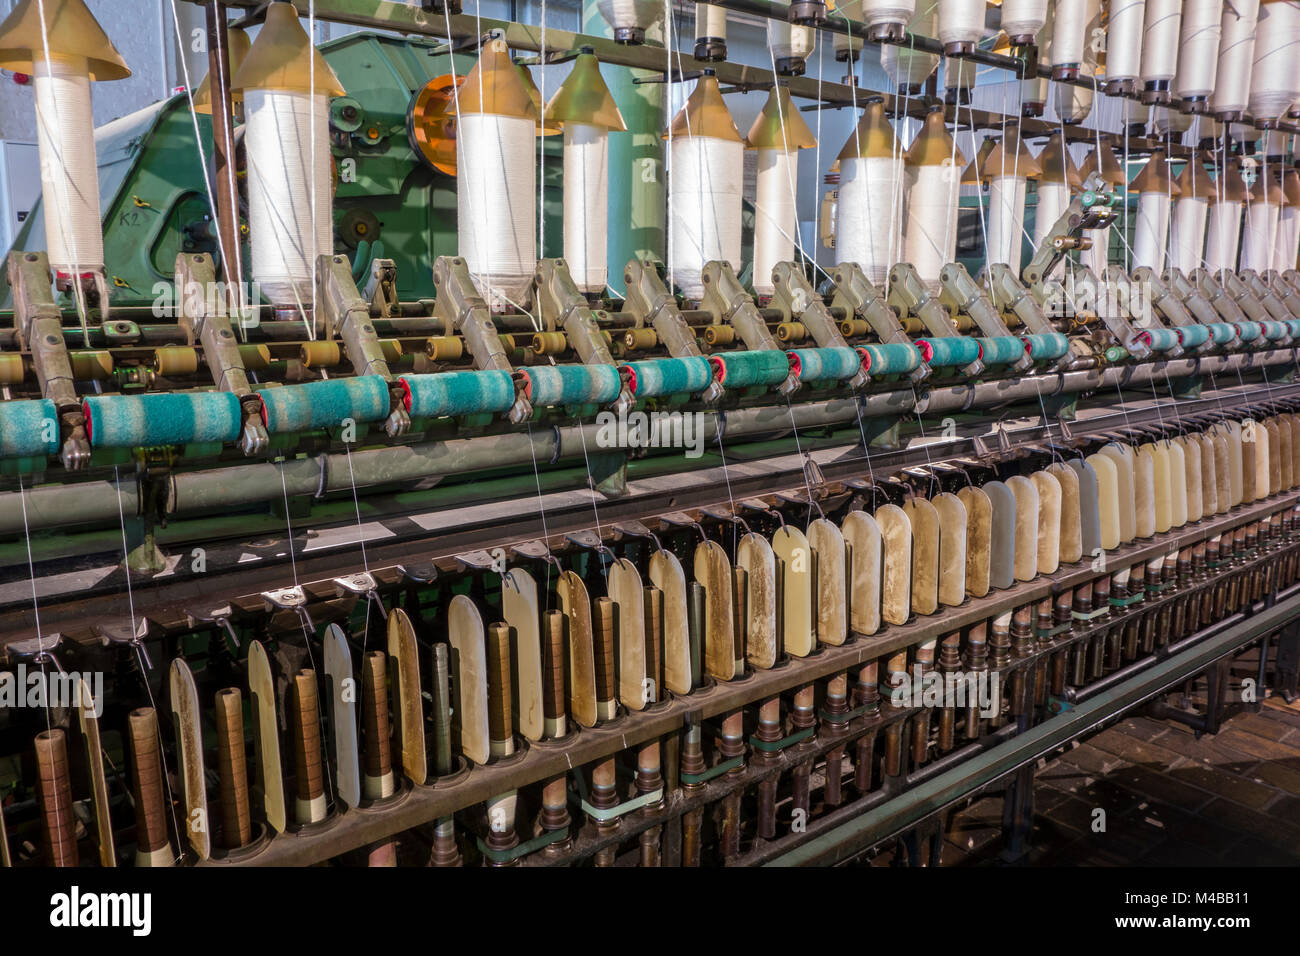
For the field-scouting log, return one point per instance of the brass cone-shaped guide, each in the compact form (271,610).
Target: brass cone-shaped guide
(283,58)
(70,30)
(238,52)
(544,127)
(973,175)
(1154,177)
(1058,165)
(1194,181)
(768,131)
(1011,157)
(1229,186)
(933,145)
(705,113)
(494,86)
(874,137)
(1110,170)
(584,98)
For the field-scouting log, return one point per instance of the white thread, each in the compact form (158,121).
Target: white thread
(705,192)
(1288,238)
(1160,25)
(1124,39)
(1258,235)
(930,230)
(866,229)
(1236,51)
(281,186)
(1221,231)
(1198,48)
(775,215)
(1152,229)
(1006,218)
(586,203)
(1023,17)
(961,21)
(69,169)
(1274,80)
(1053,200)
(905,65)
(496,201)
(1069,36)
(1187,232)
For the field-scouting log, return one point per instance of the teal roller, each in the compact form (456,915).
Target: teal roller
(1116,353)
(1001,350)
(300,408)
(1249,331)
(1274,330)
(1046,346)
(1292,327)
(445,394)
(948,351)
(670,376)
(1222,333)
(552,385)
(1158,340)
(825,365)
(28,428)
(1193,336)
(893,359)
(743,369)
(162,418)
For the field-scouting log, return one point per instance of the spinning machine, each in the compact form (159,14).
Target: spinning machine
(413,460)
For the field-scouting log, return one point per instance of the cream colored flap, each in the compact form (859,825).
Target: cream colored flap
(896,576)
(952,548)
(1026,495)
(625,590)
(1144,492)
(1209,479)
(1295,448)
(1250,433)
(1002,536)
(341,710)
(667,575)
(266,735)
(1177,484)
(979,531)
(713,572)
(88,710)
(1268,474)
(189,742)
(1163,496)
(1089,508)
(1223,454)
(795,574)
(925,555)
(1070,549)
(829,600)
(1231,430)
(1191,447)
(1286,472)
(523,615)
(1049,521)
(576,605)
(1104,467)
(754,555)
(404,665)
(469,670)
(862,539)
(1125,463)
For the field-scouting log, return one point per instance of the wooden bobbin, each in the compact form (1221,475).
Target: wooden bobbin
(54,792)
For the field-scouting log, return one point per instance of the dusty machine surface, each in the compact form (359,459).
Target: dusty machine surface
(402,466)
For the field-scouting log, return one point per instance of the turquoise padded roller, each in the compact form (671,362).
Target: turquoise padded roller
(892,359)
(1274,330)
(1001,349)
(825,365)
(743,369)
(572,384)
(162,418)
(946,351)
(1292,327)
(28,428)
(1249,331)
(1158,340)
(300,408)
(1222,332)
(1192,336)
(445,394)
(669,376)
(1046,346)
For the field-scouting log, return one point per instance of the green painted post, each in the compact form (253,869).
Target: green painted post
(637,197)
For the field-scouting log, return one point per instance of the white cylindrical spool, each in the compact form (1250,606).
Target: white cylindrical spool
(1198,48)
(586,201)
(789,42)
(282,139)
(630,14)
(1236,53)
(1023,18)
(1161,21)
(1124,40)
(1097,256)
(496,204)
(1053,201)
(1223,226)
(1073,102)
(1258,237)
(704,191)
(908,66)
(65,137)
(866,223)
(1187,232)
(1006,219)
(930,226)
(961,21)
(876,12)
(1152,230)
(775,216)
(1288,238)
(1069,31)
(710,21)
(1274,79)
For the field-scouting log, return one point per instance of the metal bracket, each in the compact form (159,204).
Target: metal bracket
(856,295)
(650,303)
(381,287)
(961,292)
(795,296)
(908,295)
(563,306)
(730,304)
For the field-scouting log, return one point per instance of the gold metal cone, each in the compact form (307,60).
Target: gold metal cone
(1229,187)
(238,52)
(1194,181)
(705,114)
(1057,164)
(1266,188)
(933,146)
(768,132)
(1291,188)
(70,30)
(1011,157)
(546,128)
(973,174)
(1154,177)
(1110,170)
(283,58)
(873,135)
(495,86)
(584,98)
(432,123)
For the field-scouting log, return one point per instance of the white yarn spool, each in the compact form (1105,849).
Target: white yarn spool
(1006,219)
(1023,18)
(1124,40)
(1069,34)
(1257,239)
(496,204)
(1073,102)
(1198,48)
(961,21)
(1151,232)
(285,236)
(877,12)
(1161,21)
(906,66)
(1053,200)
(710,21)
(586,202)
(65,137)
(1187,232)
(930,226)
(1288,238)
(775,216)
(1223,226)
(866,226)
(1236,53)
(1096,257)
(704,195)
(1274,81)
(630,14)
(789,42)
